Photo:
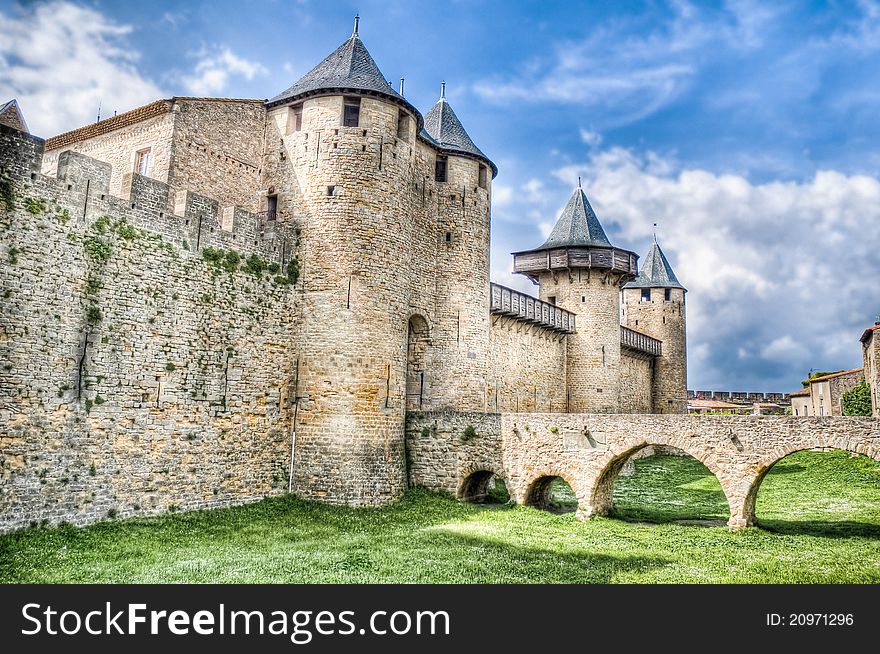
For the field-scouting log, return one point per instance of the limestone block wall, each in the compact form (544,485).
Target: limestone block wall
(528,367)
(217,149)
(136,378)
(636,382)
(442,452)
(119,147)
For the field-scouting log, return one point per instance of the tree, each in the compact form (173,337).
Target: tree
(857,400)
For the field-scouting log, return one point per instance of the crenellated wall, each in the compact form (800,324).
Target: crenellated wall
(136,376)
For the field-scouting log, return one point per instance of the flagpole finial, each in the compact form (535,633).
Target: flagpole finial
(357,20)
(579,181)
(655,232)
(443,90)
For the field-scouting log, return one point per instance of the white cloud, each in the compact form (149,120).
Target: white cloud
(778,273)
(60,60)
(592,139)
(629,70)
(214,69)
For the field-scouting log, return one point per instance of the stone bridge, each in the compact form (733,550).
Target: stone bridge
(458,452)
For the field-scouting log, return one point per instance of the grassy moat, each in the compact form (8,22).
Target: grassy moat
(820,512)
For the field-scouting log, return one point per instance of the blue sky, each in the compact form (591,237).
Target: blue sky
(748,130)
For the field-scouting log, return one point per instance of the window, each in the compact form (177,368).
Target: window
(484,176)
(351,112)
(271,207)
(552,300)
(440,169)
(667,294)
(449,237)
(142,161)
(297,118)
(331,191)
(402,125)
(646,295)
(583,298)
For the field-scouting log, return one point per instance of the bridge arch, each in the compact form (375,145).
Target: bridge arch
(746,516)
(539,490)
(477,484)
(607,470)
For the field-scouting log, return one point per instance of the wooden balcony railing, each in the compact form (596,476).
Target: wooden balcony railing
(638,341)
(521,306)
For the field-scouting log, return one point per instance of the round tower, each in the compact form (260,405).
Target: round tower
(654,304)
(462,178)
(347,159)
(579,270)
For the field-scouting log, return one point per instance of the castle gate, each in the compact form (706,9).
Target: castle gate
(589,450)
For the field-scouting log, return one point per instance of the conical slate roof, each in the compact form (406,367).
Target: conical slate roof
(656,272)
(445,129)
(577,226)
(350,67)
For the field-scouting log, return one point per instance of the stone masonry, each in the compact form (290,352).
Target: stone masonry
(204,294)
(588,451)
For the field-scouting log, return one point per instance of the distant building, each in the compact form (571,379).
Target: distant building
(717,406)
(826,393)
(801,403)
(871,355)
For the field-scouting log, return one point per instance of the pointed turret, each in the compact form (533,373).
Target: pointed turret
(578,225)
(576,241)
(656,272)
(348,69)
(444,128)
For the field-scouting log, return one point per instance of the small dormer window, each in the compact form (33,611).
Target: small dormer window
(483,176)
(351,112)
(646,295)
(440,169)
(402,125)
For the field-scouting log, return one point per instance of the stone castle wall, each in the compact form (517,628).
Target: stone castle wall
(528,367)
(636,382)
(137,377)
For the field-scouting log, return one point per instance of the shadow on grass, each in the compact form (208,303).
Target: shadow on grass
(827,528)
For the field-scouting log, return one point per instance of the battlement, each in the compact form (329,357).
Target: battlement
(193,221)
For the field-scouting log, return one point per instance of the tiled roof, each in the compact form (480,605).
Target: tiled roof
(577,226)
(137,115)
(804,392)
(842,373)
(655,272)
(349,67)
(446,130)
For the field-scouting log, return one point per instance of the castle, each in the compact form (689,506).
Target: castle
(211,300)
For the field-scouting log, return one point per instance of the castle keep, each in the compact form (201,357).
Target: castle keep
(202,296)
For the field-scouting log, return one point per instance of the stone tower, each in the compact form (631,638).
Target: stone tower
(653,304)
(579,270)
(389,206)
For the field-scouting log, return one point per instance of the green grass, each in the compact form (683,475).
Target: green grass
(428,537)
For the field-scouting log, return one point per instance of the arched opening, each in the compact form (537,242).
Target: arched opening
(552,493)
(417,342)
(822,492)
(484,487)
(660,484)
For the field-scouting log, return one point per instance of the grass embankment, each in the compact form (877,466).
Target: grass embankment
(821,510)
